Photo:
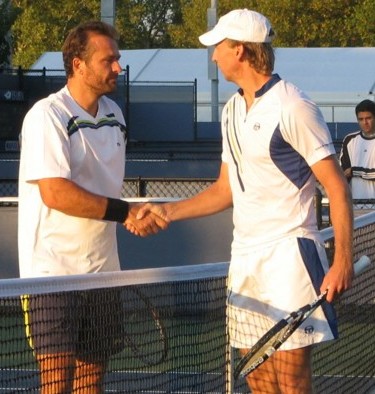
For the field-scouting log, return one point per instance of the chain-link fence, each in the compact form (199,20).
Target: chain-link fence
(8,188)
(153,187)
(171,106)
(188,187)
(137,187)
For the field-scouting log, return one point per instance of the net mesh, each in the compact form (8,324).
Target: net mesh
(165,335)
(164,330)
(346,365)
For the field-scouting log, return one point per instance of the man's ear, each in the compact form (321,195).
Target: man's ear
(78,65)
(240,51)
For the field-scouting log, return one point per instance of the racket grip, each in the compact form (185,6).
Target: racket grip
(361,265)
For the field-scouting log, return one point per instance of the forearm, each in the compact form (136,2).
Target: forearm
(341,212)
(67,197)
(214,199)
(340,274)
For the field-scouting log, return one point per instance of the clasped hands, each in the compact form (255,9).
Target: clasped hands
(146,219)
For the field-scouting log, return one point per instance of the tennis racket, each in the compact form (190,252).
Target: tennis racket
(144,331)
(281,331)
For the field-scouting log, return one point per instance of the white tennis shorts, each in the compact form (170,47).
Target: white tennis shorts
(271,281)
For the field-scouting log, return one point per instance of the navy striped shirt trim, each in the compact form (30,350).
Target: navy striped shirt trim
(288,160)
(238,145)
(109,120)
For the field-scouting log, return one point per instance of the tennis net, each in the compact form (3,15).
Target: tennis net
(346,365)
(168,333)
(164,329)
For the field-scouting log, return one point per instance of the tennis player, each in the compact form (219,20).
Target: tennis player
(70,180)
(276,145)
(357,153)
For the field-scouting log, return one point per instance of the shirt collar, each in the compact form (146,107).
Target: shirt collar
(275,78)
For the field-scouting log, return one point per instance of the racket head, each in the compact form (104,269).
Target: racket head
(274,338)
(144,331)
(263,349)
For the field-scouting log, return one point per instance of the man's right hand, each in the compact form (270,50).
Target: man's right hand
(144,220)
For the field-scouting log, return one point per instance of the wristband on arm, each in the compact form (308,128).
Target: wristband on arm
(117,210)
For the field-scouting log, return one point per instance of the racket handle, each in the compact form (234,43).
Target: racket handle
(361,265)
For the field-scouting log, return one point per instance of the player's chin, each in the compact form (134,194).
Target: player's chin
(111,85)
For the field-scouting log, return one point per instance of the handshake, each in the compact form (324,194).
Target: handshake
(147,219)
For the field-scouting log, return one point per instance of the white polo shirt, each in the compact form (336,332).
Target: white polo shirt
(269,151)
(60,139)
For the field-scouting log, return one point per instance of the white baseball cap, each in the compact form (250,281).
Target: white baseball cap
(240,25)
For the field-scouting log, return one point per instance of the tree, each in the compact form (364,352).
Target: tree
(302,23)
(43,25)
(313,23)
(8,14)
(144,23)
(363,22)
(193,21)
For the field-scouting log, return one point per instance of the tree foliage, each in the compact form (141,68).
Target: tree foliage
(302,23)
(144,23)
(42,25)
(315,23)
(8,15)
(363,22)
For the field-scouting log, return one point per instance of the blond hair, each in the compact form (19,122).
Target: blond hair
(260,56)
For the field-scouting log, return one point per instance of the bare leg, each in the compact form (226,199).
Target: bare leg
(88,378)
(62,374)
(286,372)
(294,371)
(56,373)
(263,380)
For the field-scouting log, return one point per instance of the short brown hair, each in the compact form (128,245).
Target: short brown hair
(260,56)
(75,44)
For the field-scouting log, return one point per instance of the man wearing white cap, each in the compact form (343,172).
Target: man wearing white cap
(275,145)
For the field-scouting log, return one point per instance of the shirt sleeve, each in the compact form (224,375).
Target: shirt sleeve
(45,144)
(303,126)
(344,155)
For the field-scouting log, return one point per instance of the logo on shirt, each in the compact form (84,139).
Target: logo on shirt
(256,126)
(309,329)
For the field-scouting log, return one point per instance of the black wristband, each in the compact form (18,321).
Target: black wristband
(117,210)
